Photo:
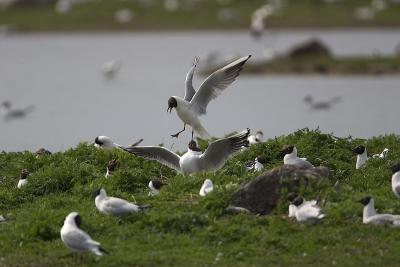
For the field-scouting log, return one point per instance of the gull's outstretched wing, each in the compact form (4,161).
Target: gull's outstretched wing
(215,84)
(189,93)
(160,154)
(219,151)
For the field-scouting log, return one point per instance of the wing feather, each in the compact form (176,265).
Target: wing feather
(189,93)
(215,84)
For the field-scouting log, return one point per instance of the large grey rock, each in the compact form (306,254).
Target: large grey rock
(262,194)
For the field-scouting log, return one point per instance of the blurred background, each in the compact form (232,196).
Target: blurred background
(71,70)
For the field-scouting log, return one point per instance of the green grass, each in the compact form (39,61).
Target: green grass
(182,229)
(326,65)
(99,15)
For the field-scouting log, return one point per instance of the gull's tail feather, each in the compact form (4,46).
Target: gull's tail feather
(202,132)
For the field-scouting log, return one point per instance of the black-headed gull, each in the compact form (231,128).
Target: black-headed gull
(194,161)
(115,206)
(23,178)
(292,208)
(76,239)
(362,156)
(155,186)
(111,166)
(371,217)
(256,138)
(306,213)
(194,104)
(396,179)
(257,164)
(291,158)
(206,188)
(107,143)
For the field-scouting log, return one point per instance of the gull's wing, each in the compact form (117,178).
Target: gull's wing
(215,84)
(118,205)
(219,151)
(78,239)
(160,154)
(189,93)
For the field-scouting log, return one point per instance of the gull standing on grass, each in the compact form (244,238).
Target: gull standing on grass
(206,188)
(194,104)
(362,156)
(23,178)
(115,206)
(194,161)
(371,217)
(291,158)
(76,239)
(396,179)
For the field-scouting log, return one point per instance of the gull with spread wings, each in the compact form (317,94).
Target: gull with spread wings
(194,161)
(194,104)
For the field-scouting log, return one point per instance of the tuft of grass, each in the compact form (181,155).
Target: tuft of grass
(184,229)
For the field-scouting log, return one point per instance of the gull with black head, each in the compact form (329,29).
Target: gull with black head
(23,178)
(155,187)
(76,239)
(291,158)
(370,216)
(194,104)
(194,161)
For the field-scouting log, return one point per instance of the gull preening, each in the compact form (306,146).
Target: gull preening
(115,206)
(194,104)
(292,208)
(306,212)
(111,166)
(371,217)
(291,158)
(9,114)
(206,188)
(107,143)
(76,239)
(23,178)
(257,164)
(194,161)
(155,187)
(256,138)
(396,179)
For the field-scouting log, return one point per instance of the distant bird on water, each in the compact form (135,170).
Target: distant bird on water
(194,161)
(76,239)
(111,68)
(10,114)
(194,104)
(321,105)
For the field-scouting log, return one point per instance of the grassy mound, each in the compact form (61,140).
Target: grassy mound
(183,229)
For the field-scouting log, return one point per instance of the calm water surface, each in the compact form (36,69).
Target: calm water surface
(60,75)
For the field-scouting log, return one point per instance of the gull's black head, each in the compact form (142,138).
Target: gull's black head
(395,168)
(157,184)
(365,200)
(171,104)
(24,174)
(359,150)
(287,150)
(262,160)
(292,196)
(97,141)
(298,201)
(78,220)
(193,146)
(97,192)
(112,164)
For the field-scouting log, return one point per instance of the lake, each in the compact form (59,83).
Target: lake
(60,75)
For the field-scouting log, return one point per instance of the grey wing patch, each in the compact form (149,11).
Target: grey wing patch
(219,151)
(189,93)
(77,240)
(397,190)
(215,84)
(160,154)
